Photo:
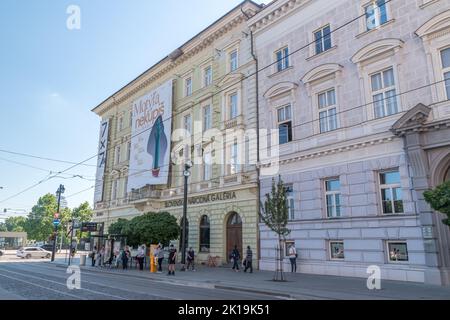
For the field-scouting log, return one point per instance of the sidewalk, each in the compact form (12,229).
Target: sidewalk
(298,286)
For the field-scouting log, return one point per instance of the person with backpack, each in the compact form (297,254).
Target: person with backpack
(190,259)
(172,260)
(248,260)
(235,256)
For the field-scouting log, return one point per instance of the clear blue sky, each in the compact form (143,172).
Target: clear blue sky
(51,77)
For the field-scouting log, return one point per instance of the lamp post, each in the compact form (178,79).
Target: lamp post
(186,175)
(59,192)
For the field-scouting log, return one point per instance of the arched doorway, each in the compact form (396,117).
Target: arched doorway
(234,233)
(186,239)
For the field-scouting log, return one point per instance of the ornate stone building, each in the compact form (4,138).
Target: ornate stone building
(357,91)
(211,93)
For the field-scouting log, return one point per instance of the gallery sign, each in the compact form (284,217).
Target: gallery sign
(101,160)
(214,197)
(151,136)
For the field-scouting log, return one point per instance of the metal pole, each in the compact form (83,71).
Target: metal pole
(183,235)
(56,226)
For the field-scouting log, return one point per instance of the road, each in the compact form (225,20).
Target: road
(38,280)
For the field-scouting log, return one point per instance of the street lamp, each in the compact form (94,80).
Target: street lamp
(59,192)
(186,174)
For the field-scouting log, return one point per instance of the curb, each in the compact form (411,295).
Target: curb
(194,284)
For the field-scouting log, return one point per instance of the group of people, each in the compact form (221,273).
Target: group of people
(235,257)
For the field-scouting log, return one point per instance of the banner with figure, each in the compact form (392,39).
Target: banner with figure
(151,136)
(101,160)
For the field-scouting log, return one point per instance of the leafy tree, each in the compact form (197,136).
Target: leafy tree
(274,213)
(15,224)
(118,227)
(439,200)
(3,227)
(82,213)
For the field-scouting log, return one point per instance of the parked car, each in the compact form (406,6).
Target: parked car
(33,252)
(1,253)
(48,247)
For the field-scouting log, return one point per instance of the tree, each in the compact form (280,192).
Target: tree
(82,213)
(439,200)
(3,227)
(274,213)
(118,227)
(15,224)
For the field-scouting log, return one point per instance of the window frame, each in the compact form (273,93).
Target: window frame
(384,91)
(391,187)
(327,108)
(117,151)
(204,226)
(322,39)
(388,252)
(284,122)
(330,242)
(188,89)
(444,71)
(285,59)
(114,190)
(377,13)
(229,100)
(207,79)
(187,116)
(290,201)
(231,67)
(333,194)
(205,119)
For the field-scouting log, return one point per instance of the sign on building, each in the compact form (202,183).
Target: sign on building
(101,161)
(89,227)
(151,137)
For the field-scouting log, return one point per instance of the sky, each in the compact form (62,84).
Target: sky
(51,78)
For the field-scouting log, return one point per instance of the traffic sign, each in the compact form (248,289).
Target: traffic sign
(56,222)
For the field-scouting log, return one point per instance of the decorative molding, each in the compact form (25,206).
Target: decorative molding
(437,26)
(413,119)
(230,79)
(376,49)
(321,71)
(279,89)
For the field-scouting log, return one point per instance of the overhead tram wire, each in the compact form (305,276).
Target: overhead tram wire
(213,94)
(41,158)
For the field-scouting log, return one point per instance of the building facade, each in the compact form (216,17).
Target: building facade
(358,93)
(212,95)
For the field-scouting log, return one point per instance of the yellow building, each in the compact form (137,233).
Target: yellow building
(214,91)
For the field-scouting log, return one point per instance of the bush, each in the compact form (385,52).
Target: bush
(439,200)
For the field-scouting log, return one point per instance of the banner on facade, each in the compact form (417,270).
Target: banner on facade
(101,161)
(151,137)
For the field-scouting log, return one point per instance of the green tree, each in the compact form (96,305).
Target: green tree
(439,200)
(82,213)
(118,227)
(15,224)
(3,227)
(274,213)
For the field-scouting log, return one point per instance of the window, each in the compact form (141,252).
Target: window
(376,14)
(207,167)
(131,119)
(398,251)
(207,119)
(233,106)
(233,60)
(188,87)
(337,250)
(333,198)
(384,93)
(120,124)
(391,192)
(290,201)
(129,150)
(114,190)
(117,155)
(284,124)
(207,80)
(327,111)
(445,57)
(234,165)
(125,186)
(322,39)
(282,57)
(187,123)
(204,234)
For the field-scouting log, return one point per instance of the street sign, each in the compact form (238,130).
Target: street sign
(89,227)
(56,222)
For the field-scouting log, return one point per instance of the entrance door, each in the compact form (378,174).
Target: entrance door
(234,234)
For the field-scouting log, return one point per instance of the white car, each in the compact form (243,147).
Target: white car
(33,252)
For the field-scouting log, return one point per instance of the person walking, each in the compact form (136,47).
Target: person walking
(190,259)
(125,257)
(293,258)
(140,257)
(159,255)
(172,259)
(235,256)
(249,260)
(93,254)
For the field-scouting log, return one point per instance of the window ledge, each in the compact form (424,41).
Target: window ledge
(426,4)
(321,54)
(281,72)
(375,29)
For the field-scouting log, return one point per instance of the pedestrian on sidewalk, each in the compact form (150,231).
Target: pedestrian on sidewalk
(93,254)
(159,255)
(140,257)
(249,260)
(190,259)
(235,257)
(125,256)
(293,258)
(172,259)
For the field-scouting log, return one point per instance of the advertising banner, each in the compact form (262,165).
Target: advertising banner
(151,136)
(101,161)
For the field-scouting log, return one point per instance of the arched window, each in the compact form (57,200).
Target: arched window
(234,219)
(204,234)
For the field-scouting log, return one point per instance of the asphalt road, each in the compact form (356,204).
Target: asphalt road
(37,280)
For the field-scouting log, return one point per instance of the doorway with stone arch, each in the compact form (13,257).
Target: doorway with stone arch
(234,233)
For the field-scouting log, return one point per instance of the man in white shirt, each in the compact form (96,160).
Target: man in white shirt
(293,258)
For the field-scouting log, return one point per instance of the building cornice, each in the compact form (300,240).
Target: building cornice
(200,42)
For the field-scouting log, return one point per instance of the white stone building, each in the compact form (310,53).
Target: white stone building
(356,89)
